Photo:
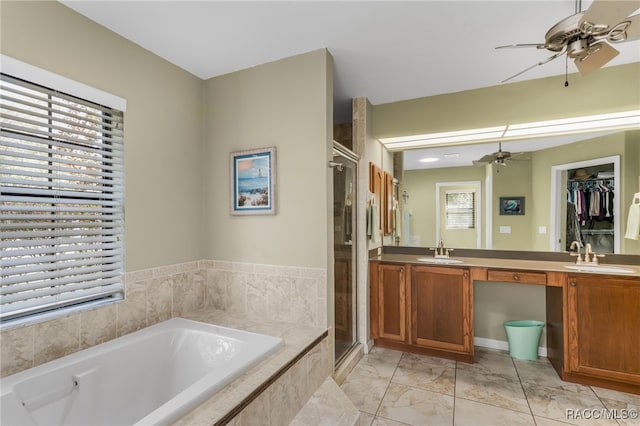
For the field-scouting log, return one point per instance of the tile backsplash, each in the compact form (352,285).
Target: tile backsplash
(278,293)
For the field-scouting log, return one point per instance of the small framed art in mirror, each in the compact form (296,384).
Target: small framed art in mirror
(512,206)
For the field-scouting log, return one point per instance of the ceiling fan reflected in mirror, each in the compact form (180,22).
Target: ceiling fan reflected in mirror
(500,157)
(586,36)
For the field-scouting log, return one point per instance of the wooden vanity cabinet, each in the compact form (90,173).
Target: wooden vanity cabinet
(440,308)
(388,302)
(603,330)
(423,309)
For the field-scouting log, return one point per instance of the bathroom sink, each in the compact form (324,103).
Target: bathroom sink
(441,261)
(601,269)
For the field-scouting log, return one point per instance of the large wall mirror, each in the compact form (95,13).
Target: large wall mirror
(522,203)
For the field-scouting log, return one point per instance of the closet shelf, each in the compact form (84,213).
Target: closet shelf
(597,231)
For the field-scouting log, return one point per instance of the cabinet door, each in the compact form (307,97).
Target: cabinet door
(392,313)
(441,308)
(603,322)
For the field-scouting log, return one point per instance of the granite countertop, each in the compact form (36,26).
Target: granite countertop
(511,264)
(297,340)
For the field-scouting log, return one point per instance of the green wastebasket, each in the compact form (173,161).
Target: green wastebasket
(523,338)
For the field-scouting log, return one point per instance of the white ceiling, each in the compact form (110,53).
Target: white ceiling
(385,50)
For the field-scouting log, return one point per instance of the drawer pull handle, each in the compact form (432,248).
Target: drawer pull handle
(516,277)
(573,283)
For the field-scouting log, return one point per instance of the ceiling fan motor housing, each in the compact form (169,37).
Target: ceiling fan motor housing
(565,30)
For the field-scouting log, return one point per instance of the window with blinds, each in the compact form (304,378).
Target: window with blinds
(460,209)
(61,201)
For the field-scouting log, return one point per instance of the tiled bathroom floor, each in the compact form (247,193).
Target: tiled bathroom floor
(396,388)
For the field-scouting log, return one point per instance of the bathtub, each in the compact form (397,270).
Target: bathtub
(153,376)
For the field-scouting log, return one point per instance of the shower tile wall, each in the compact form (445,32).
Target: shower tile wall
(280,293)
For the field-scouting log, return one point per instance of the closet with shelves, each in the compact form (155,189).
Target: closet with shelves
(590,218)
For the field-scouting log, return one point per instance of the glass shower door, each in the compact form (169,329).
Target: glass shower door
(344,219)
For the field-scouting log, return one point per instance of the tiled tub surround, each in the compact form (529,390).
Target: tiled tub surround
(273,392)
(279,293)
(281,301)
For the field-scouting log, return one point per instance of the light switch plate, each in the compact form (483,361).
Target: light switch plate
(505,229)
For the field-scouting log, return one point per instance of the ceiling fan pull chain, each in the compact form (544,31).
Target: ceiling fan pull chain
(566,71)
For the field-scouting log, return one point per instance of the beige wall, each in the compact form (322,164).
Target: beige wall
(513,180)
(421,187)
(162,122)
(177,185)
(631,184)
(610,89)
(282,104)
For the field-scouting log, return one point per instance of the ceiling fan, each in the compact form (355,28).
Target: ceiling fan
(585,36)
(500,157)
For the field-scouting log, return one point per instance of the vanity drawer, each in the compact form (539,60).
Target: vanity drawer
(522,277)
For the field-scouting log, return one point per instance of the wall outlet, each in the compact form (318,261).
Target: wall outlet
(542,229)
(505,229)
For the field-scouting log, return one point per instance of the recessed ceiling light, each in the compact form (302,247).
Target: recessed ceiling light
(429,160)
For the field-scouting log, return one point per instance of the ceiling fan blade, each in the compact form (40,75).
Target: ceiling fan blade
(519,45)
(520,156)
(609,12)
(487,158)
(597,59)
(535,65)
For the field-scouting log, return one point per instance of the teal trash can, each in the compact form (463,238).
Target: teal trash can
(523,338)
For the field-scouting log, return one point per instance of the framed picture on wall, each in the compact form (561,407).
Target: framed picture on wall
(512,206)
(253,181)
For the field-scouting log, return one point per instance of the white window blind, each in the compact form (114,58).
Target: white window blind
(61,200)
(460,209)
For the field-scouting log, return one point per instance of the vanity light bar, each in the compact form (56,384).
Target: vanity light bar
(588,123)
(416,141)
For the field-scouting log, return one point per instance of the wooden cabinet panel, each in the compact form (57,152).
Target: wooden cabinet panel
(603,322)
(376,187)
(440,308)
(392,313)
(523,277)
(388,204)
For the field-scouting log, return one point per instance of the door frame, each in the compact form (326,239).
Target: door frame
(558,196)
(478,188)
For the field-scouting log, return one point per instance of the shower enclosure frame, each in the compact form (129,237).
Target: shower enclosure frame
(345,252)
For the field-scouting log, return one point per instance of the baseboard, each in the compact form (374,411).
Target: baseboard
(501,345)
